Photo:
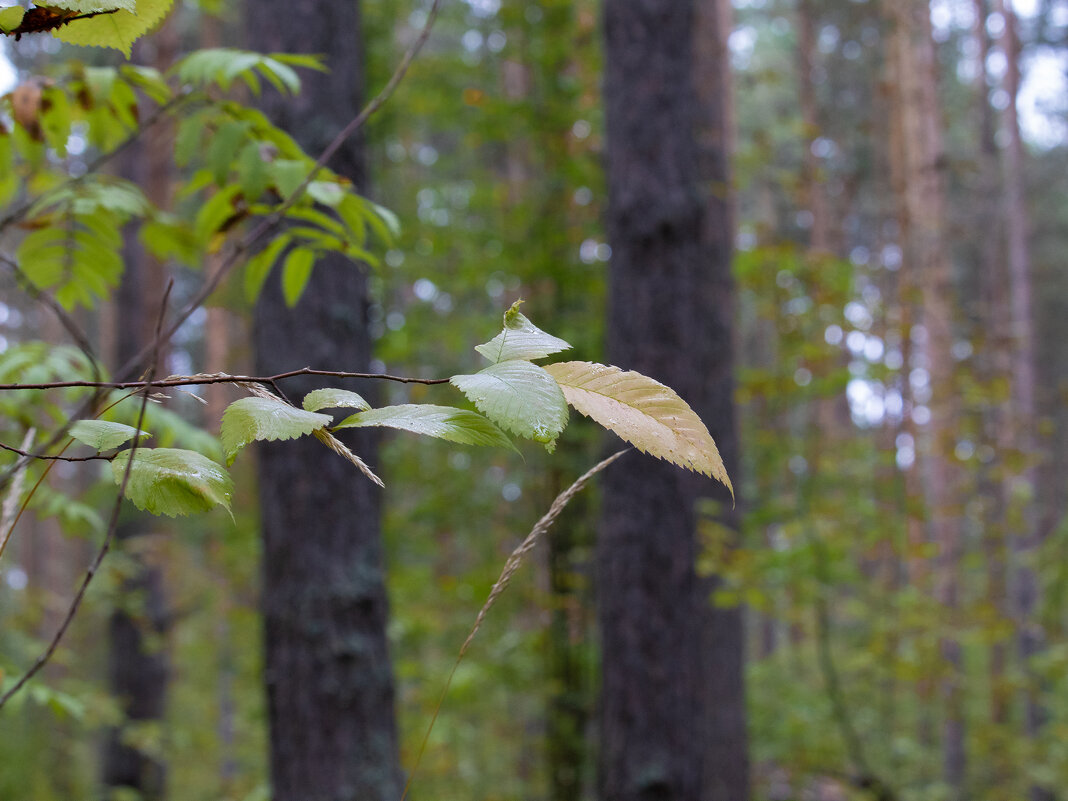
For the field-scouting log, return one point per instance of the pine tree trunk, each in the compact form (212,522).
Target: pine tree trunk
(673,720)
(329,681)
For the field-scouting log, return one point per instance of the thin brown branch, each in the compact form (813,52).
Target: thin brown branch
(46,458)
(109,536)
(219,378)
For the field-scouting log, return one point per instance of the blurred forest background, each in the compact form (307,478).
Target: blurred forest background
(901,338)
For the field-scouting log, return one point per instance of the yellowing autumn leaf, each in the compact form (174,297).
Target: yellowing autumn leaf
(644,412)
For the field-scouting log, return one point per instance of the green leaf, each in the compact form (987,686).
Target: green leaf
(296,271)
(333,398)
(520,339)
(251,419)
(118,30)
(443,422)
(288,175)
(11,17)
(259,266)
(520,397)
(103,435)
(172,482)
(644,412)
(329,193)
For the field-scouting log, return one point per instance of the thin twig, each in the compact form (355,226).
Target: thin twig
(46,458)
(510,566)
(220,378)
(11,500)
(109,537)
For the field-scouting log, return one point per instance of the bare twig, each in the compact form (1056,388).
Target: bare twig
(46,458)
(220,378)
(109,537)
(510,566)
(11,500)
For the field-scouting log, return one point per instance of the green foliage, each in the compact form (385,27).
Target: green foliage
(259,418)
(333,398)
(443,422)
(222,66)
(103,435)
(520,339)
(173,482)
(118,30)
(520,397)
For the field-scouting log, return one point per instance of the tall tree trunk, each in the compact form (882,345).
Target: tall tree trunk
(329,681)
(673,720)
(920,166)
(138,664)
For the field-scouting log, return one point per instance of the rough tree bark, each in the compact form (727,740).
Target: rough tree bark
(329,682)
(672,722)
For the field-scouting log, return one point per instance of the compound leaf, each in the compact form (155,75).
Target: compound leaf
(520,397)
(172,482)
(251,419)
(644,412)
(333,398)
(103,435)
(520,339)
(443,422)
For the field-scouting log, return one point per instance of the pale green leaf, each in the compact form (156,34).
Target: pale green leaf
(259,266)
(172,482)
(103,435)
(520,397)
(644,412)
(89,6)
(443,422)
(520,339)
(118,30)
(333,398)
(251,419)
(11,17)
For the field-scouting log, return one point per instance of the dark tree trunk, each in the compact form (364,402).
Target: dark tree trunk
(329,682)
(673,721)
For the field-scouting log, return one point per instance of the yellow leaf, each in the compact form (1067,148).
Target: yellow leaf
(644,412)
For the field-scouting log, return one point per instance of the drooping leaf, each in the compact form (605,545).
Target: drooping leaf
(172,482)
(520,339)
(119,29)
(443,422)
(251,419)
(644,412)
(520,397)
(296,270)
(103,435)
(333,398)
